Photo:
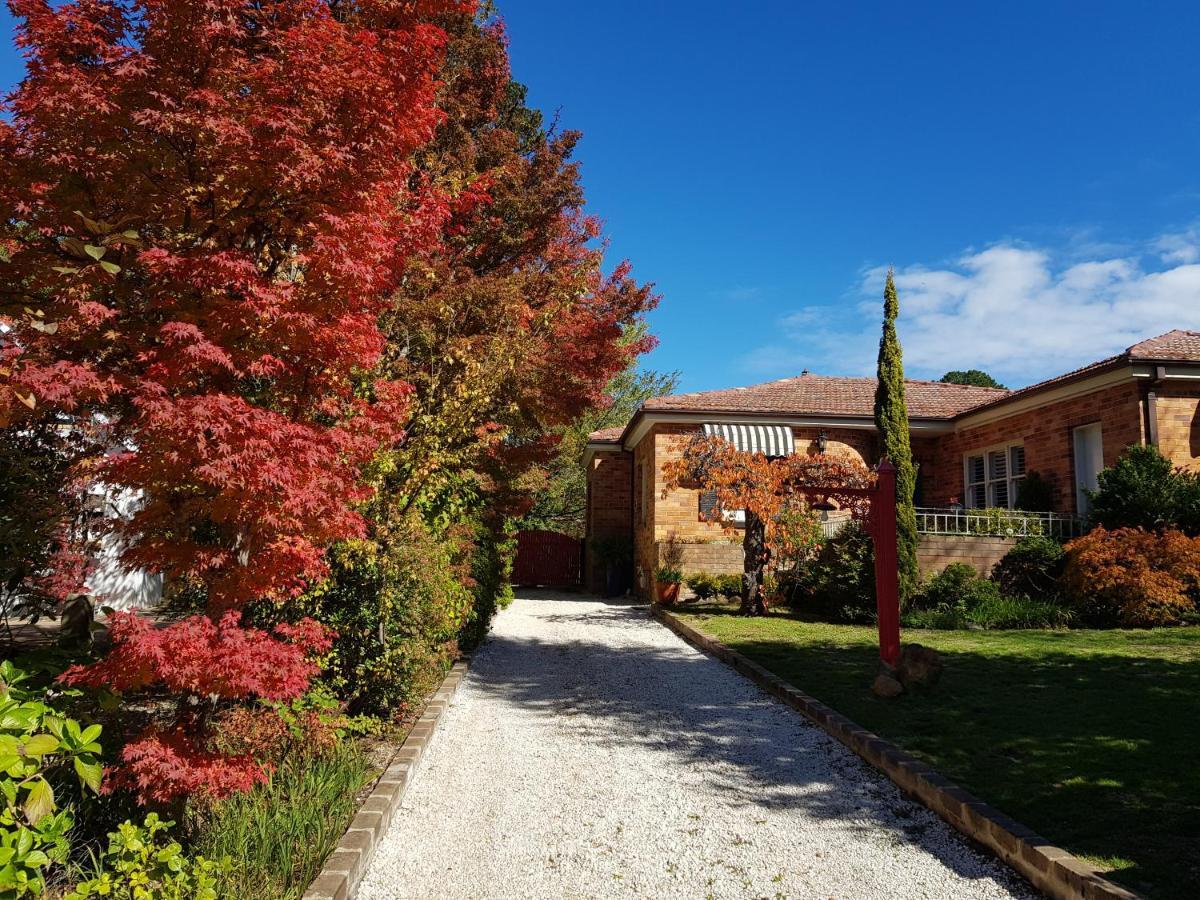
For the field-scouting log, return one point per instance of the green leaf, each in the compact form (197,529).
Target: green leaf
(40,801)
(110,267)
(41,744)
(36,858)
(93,251)
(89,772)
(90,734)
(66,270)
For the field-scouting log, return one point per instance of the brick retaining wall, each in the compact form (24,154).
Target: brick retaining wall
(936,551)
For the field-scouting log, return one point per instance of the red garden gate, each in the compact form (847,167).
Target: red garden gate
(548,558)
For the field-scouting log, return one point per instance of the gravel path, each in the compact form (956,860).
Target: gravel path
(592,753)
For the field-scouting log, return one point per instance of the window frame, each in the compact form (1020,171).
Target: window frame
(1011,482)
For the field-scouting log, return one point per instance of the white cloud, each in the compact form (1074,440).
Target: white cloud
(1021,313)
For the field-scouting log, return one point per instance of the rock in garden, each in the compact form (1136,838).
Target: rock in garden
(919,665)
(886,686)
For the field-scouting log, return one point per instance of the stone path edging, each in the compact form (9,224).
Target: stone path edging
(339,877)
(1051,869)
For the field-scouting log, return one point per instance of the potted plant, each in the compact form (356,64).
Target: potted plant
(667,583)
(669,573)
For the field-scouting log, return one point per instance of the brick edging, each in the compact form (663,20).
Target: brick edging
(1051,869)
(339,877)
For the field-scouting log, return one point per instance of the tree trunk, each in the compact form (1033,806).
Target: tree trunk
(754,545)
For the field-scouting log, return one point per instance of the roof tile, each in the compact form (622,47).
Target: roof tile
(828,395)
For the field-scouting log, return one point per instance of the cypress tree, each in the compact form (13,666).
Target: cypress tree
(891,421)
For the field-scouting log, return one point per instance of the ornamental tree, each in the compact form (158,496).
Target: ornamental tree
(203,210)
(776,494)
(891,421)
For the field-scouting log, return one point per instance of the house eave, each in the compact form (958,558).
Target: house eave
(644,421)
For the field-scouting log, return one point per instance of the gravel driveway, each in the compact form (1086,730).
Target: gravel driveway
(592,753)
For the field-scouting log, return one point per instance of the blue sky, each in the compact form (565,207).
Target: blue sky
(1029,168)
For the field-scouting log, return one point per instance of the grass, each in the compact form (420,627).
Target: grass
(1090,737)
(279,834)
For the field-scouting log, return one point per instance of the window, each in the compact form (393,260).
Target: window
(993,477)
(1088,444)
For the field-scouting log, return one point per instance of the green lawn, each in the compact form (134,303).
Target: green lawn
(1090,737)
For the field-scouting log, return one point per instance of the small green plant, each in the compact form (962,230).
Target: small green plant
(38,748)
(728,587)
(665,575)
(141,862)
(1003,522)
(670,567)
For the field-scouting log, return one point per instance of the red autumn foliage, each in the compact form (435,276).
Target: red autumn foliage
(206,658)
(1133,577)
(211,204)
(161,766)
(204,208)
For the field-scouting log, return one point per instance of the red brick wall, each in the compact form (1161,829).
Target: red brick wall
(1178,415)
(1046,434)
(610,499)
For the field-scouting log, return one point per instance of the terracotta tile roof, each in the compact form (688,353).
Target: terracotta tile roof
(606,435)
(1174,346)
(827,395)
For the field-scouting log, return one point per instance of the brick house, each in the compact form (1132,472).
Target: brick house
(972,445)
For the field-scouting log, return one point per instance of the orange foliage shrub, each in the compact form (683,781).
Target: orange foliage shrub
(1133,577)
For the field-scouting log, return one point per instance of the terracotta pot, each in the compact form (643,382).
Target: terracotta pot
(668,591)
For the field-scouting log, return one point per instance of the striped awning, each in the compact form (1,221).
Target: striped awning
(771,440)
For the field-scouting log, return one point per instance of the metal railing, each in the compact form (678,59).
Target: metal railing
(997,522)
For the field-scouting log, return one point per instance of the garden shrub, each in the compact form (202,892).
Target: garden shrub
(839,582)
(141,863)
(727,587)
(703,585)
(1144,490)
(1032,568)
(41,750)
(397,605)
(1133,577)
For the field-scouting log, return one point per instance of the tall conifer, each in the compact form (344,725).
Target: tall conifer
(891,420)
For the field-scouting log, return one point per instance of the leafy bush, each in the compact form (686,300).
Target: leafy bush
(1133,577)
(39,749)
(1143,490)
(958,597)
(281,832)
(398,607)
(956,585)
(1035,493)
(664,575)
(704,586)
(839,582)
(141,863)
(1031,568)
(727,587)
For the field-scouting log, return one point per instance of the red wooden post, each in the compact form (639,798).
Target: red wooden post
(887,579)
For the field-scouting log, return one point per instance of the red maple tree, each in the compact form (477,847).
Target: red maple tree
(205,206)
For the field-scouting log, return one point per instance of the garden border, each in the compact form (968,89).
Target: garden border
(1051,869)
(346,865)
